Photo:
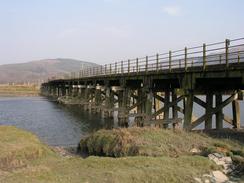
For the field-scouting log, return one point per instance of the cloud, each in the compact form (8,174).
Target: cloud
(172,10)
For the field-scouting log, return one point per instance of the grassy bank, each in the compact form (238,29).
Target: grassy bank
(24,158)
(19,90)
(155,142)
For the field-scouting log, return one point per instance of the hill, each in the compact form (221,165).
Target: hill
(38,71)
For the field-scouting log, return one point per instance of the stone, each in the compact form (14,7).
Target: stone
(195,151)
(224,161)
(220,177)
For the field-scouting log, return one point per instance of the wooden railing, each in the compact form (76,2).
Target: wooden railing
(220,53)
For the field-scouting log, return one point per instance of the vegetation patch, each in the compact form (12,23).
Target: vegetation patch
(18,147)
(154,142)
(24,158)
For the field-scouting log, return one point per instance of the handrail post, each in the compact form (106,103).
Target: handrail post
(204,57)
(101,70)
(220,59)
(115,67)
(157,60)
(170,60)
(146,67)
(238,57)
(185,58)
(105,69)
(110,68)
(128,66)
(122,70)
(137,66)
(227,43)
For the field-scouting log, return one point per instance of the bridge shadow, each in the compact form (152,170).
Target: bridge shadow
(232,134)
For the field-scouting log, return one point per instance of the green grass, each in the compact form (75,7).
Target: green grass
(154,142)
(37,162)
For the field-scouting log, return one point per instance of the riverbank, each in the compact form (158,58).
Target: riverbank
(23,158)
(19,90)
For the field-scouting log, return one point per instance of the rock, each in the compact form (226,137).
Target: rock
(195,151)
(224,161)
(220,177)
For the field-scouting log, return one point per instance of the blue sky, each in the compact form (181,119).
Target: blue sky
(105,31)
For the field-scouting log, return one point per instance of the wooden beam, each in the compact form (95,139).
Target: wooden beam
(209,107)
(175,111)
(188,105)
(159,97)
(170,105)
(214,110)
(227,119)
(200,102)
(137,104)
(179,109)
(219,113)
(236,114)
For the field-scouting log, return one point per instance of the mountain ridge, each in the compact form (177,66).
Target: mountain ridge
(37,71)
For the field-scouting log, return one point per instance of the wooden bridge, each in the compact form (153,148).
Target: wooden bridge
(163,89)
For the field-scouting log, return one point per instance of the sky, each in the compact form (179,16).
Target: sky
(106,31)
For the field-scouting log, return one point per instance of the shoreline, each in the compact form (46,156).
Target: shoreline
(28,156)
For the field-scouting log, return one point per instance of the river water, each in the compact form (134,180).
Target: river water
(56,124)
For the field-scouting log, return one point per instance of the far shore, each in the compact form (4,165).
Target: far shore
(17,90)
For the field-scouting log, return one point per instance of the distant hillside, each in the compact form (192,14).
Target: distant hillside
(37,71)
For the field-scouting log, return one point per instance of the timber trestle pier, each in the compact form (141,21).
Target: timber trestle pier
(163,89)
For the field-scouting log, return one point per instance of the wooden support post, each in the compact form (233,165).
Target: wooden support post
(109,103)
(219,115)
(148,106)
(157,105)
(86,99)
(174,98)
(188,109)
(140,98)
(63,90)
(70,89)
(66,91)
(98,100)
(166,106)
(122,113)
(236,114)
(209,103)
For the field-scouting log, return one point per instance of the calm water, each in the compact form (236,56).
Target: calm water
(52,123)
(59,125)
